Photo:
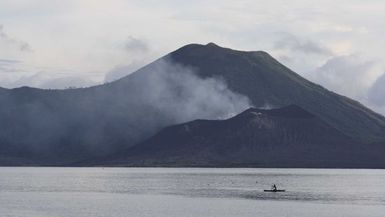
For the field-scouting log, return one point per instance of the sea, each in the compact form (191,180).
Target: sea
(190,192)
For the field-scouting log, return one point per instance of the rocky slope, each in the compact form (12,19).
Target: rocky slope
(284,137)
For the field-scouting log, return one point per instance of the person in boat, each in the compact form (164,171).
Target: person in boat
(274,187)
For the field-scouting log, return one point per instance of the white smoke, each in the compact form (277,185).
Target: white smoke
(180,95)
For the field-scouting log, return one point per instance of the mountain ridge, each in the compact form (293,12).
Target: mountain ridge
(57,127)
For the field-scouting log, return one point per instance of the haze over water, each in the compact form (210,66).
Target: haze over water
(185,192)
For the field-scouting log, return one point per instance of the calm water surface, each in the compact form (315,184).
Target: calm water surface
(190,192)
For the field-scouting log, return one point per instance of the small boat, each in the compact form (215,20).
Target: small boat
(277,190)
(274,189)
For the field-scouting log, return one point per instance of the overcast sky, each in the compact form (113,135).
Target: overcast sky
(57,44)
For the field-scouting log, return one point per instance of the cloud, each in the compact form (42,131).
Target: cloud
(376,93)
(16,73)
(122,70)
(66,82)
(8,65)
(139,54)
(350,75)
(47,81)
(135,45)
(12,70)
(295,44)
(20,45)
(7,61)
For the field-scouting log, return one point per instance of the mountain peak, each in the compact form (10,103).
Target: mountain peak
(211,53)
(201,48)
(212,44)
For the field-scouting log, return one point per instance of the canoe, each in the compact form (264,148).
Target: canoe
(279,190)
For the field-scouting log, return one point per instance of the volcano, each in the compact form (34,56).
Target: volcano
(60,127)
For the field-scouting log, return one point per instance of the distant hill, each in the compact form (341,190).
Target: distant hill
(58,127)
(284,137)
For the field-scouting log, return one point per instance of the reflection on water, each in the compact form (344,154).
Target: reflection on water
(200,192)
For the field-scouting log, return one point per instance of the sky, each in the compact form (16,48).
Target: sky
(77,43)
